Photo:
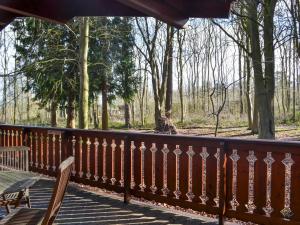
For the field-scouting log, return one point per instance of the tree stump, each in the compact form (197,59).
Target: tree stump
(165,126)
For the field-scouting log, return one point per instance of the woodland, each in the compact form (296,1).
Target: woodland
(142,74)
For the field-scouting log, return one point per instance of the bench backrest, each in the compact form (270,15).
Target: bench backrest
(59,190)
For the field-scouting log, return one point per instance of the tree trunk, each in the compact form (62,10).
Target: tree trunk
(132,113)
(53,114)
(240,83)
(263,89)
(84,77)
(27,104)
(268,121)
(248,98)
(169,90)
(104,104)
(127,115)
(15,90)
(4,98)
(95,112)
(180,39)
(254,128)
(71,112)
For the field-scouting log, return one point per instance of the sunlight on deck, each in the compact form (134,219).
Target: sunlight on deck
(82,207)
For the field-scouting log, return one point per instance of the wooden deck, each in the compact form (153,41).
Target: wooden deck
(83,207)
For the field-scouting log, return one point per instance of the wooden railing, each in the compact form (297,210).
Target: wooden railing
(251,180)
(14,158)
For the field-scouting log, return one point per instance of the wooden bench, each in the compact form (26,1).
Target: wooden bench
(41,216)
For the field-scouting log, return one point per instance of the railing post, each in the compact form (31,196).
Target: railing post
(26,143)
(67,144)
(223,182)
(127,169)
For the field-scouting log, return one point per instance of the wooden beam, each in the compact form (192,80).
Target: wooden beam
(26,8)
(160,10)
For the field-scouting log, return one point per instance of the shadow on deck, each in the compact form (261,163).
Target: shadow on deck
(83,207)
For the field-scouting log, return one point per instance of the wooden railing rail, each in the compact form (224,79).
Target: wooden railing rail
(251,180)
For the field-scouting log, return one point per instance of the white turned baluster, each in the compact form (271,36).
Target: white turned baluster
(177,153)
(165,189)
(73,153)
(235,158)
(288,162)
(104,147)
(142,150)
(96,144)
(269,161)
(190,195)
(132,148)
(250,205)
(122,163)
(153,150)
(217,198)
(113,166)
(204,155)
(88,156)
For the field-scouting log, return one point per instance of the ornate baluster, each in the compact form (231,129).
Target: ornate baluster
(21,138)
(42,151)
(104,146)
(288,162)
(269,161)
(17,154)
(251,159)
(153,150)
(142,149)
(4,138)
(80,157)
(31,149)
(59,141)
(217,198)
(190,195)
(88,152)
(235,158)
(132,148)
(73,153)
(113,162)
(12,138)
(1,138)
(177,153)
(204,156)
(53,152)
(36,150)
(122,163)
(8,138)
(96,143)
(47,153)
(165,189)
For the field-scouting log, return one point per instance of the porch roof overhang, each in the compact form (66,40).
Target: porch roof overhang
(173,12)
